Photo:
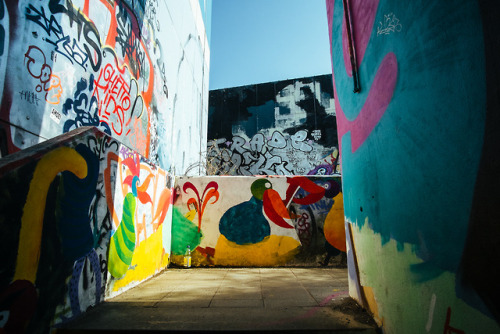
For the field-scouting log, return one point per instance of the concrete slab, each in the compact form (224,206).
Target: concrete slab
(231,299)
(244,303)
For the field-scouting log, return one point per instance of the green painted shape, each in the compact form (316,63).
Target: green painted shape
(259,187)
(403,299)
(123,251)
(122,245)
(116,267)
(184,233)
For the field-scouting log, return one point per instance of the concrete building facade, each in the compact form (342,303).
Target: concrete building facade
(102,104)
(136,70)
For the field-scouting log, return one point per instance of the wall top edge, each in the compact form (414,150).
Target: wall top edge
(259,176)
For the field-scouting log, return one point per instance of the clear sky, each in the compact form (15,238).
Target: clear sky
(256,41)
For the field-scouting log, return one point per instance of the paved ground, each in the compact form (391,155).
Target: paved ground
(233,299)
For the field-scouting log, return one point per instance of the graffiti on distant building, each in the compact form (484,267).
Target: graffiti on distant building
(281,128)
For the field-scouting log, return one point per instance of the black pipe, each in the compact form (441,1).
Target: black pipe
(352,54)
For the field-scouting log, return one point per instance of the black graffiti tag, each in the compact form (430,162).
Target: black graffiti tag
(85,48)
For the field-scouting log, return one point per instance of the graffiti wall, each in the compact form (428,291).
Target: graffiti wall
(257,221)
(83,217)
(278,128)
(137,70)
(418,123)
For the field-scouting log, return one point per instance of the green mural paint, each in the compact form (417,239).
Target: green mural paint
(184,233)
(408,298)
(122,245)
(259,187)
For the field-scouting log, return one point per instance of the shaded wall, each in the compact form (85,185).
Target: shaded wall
(257,221)
(278,128)
(83,217)
(419,168)
(137,70)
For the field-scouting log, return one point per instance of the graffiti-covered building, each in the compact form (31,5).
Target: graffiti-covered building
(136,70)
(103,103)
(417,101)
(277,128)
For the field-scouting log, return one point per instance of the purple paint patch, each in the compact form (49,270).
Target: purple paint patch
(322,170)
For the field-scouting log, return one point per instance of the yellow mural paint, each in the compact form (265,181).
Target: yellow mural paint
(30,236)
(190,215)
(372,303)
(197,260)
(272,251)
(334,227)
(148,259)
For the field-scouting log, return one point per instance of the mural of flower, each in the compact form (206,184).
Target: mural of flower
(211,190)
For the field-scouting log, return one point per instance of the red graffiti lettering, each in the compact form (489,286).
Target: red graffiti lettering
(112,93)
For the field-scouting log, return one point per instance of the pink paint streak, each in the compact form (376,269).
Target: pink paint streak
(362,20)
(329,12)
(323,303)
(312,311)
(376,103)
(384,84)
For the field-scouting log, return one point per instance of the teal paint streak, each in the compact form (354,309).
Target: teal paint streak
(414,176)
(262,118)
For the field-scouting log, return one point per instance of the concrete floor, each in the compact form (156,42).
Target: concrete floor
(232,299)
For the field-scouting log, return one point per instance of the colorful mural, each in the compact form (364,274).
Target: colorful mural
(406,120)
(115,65)
(278,128)
(83,217)
(90,93)
(256,221)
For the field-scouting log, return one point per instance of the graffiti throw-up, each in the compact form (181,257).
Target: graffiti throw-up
(116,104)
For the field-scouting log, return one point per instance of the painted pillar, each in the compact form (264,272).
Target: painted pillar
(418,161)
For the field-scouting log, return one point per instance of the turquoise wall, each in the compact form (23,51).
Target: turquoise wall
(411,145)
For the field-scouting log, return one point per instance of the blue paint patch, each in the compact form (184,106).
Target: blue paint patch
(262,117)
(74,199)
(245,223)
(135,182)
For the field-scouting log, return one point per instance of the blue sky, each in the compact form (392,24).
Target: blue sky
(256,41)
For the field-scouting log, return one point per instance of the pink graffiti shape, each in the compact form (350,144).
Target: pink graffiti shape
(362,20)
(382,89)
(376,104)
(311,311)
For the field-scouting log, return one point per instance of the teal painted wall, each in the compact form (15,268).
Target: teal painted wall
(413,142)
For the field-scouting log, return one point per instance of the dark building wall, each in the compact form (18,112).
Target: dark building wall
(286,127)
